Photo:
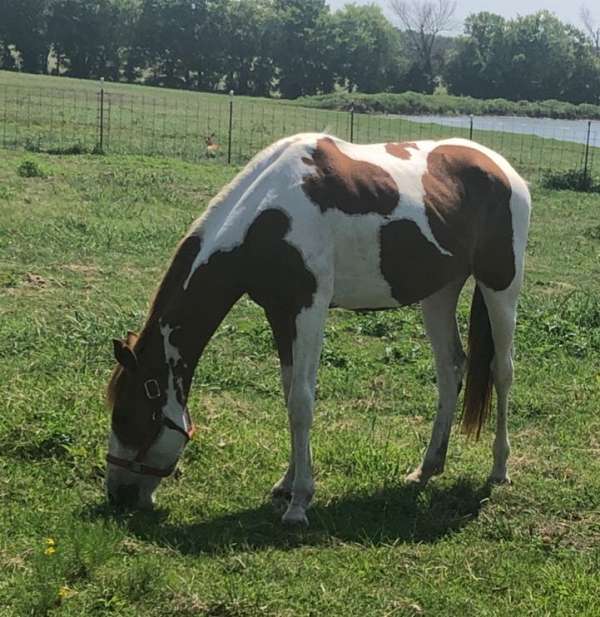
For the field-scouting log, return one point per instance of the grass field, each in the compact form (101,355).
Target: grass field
(81,250)
(60,114)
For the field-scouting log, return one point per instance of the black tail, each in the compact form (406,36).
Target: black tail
(477,401)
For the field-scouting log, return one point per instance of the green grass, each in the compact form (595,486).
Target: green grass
(61,116)
(81,250)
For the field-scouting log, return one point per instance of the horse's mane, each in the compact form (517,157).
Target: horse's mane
(113,386)
(189,248)
(173,279)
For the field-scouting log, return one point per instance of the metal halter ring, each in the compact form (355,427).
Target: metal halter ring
(152,389)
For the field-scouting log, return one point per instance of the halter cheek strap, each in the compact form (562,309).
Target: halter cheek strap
(152,390)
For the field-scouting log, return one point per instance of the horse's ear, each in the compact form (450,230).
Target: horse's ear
(132,338)
(124,355)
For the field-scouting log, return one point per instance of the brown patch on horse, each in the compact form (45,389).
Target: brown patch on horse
(275,274)
(173,280)
(343,183)
(401,150)
(414,267)
(467,201)
(264,265)
(132,418)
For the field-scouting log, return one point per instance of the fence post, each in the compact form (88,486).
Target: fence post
(230,127)
(100,146)
(587,152)
(351,122)
(471,126)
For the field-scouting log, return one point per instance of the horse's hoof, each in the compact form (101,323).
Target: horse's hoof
(499,479)
(295,516)
(417,478)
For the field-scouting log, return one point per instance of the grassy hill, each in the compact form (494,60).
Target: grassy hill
(62,115)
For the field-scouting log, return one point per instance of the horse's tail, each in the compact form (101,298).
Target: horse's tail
(478,389)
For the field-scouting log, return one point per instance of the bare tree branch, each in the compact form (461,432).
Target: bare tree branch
(423,21)
(592,28)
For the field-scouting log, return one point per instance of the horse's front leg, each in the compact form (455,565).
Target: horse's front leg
(282,325)
(439,312)
(306,352)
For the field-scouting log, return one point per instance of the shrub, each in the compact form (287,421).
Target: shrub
(417,103)
(573,180)
(30,169)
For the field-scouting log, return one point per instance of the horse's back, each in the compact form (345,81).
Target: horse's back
(383,224)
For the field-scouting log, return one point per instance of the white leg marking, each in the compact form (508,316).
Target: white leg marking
(502,310)
(439,312)
(307,349)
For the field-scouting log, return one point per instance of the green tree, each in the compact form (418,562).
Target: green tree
(303,47)
(478,65)
(368,49)
(534,57)
(87,37)
(24,25)
(182,40)
(249,31)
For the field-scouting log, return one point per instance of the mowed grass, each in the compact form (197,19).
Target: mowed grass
(81,250)
(44,113)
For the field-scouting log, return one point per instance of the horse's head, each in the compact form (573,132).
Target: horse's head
(150,421)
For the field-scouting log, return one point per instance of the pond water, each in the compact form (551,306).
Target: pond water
(563,130)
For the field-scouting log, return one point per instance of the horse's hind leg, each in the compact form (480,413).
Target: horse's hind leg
(439,312)
(502,311)
(281,323)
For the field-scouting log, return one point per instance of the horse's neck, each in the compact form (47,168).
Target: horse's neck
(192,315)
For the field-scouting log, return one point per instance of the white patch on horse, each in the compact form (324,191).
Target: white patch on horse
(405,173)
(172,354)
(227,218)
(173,409)
(357,258)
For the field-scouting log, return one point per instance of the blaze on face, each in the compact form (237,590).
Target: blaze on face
(145,442)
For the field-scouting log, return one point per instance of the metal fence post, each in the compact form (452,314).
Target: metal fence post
(100,145)
(351,122)
(587,152)
(471,126)
(230,127)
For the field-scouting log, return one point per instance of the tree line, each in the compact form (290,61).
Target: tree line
(295,48)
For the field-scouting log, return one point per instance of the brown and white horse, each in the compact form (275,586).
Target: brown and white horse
(313,222)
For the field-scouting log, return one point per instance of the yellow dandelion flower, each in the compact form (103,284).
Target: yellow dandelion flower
(65,592)
(50,550)
(50,541)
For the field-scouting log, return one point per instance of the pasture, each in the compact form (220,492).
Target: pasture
(43,113)
(83,242)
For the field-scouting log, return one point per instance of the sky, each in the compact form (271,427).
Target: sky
(566,10)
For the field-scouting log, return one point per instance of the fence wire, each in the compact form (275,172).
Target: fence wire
(198,127)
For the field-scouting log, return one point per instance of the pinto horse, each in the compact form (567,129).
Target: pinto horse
(314,222)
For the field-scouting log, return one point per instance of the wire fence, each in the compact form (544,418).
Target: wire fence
(196,127)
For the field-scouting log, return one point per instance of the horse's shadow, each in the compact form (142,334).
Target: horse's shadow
(396,514)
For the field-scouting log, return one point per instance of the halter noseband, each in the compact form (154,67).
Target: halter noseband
(152,390)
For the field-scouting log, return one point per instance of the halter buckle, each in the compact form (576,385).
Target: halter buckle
(152,389)
(136,467)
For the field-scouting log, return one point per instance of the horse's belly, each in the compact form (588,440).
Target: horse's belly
(362,293)
(358,280)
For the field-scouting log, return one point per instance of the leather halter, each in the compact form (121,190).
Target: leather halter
(152,390)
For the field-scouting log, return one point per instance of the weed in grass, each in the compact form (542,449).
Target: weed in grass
(572,180)
(30,169)
(593,232)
